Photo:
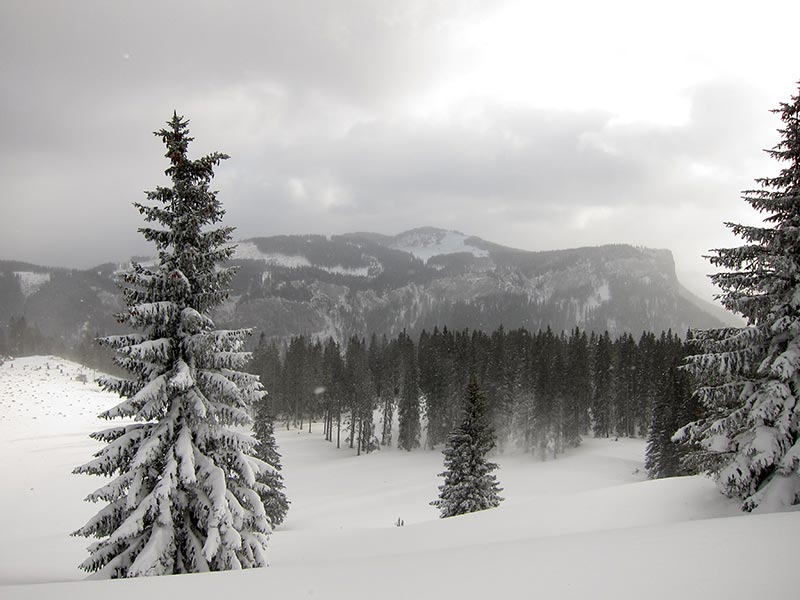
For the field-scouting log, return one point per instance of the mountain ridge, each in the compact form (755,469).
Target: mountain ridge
(362,283)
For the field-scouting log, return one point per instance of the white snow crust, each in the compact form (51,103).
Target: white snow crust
(30,282)
(426,245)
(588,525)
(249,251)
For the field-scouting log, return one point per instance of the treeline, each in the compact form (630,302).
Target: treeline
(545,390)
(21,337)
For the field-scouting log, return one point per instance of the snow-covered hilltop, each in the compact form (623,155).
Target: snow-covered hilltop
(250,251)
(427,242)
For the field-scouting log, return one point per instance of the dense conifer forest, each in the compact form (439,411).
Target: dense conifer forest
(545,390)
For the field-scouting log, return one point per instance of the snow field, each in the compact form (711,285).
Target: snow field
(587,525)
(425,245)
(249,251)
(30,282)
(46,416)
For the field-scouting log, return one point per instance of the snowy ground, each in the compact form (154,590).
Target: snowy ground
(588,525)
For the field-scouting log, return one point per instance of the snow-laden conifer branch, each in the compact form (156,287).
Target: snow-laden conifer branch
(104,522)
(231,361)
(118,342)
(181,378)
(114,433)
(216,385)
(194,322)
(123,387)
(112,490)
(117,455)
(152,313)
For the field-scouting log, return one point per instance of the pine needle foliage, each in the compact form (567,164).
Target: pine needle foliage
(750,377)
(184,493)
(674,405)
(270,482)
(469,484)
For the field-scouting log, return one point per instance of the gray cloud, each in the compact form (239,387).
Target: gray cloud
(311,100)
(522,163)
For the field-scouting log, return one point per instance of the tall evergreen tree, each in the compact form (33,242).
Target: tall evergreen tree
(751,376)
(433,382)
(438,367)
(624,407)
(603,386)
(333,382)
(316,389)
(296,374)
(548,407)
(578,392)
(183,495)
(378,358)
(408,403)
(269,483)
(266,363)
(501,374)
(674,406)
(651,362)
(24,339)
(359,390)
(469,484)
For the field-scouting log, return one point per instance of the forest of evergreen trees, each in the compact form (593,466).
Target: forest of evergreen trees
(545,390)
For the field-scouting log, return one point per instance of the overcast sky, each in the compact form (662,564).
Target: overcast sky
(530,124)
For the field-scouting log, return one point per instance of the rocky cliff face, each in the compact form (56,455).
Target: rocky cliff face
(361,283)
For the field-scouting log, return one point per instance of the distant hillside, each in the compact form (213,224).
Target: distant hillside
(360,283)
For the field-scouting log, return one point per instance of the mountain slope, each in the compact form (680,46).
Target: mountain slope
(363,283)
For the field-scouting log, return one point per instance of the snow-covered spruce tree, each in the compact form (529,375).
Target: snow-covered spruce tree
(674,406)
(270,482)
(469,484)
(751,376)
(183,497)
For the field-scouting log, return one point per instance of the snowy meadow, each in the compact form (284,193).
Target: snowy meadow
(587,525)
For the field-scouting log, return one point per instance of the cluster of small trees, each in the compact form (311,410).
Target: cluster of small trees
(544,390)
(23,338)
